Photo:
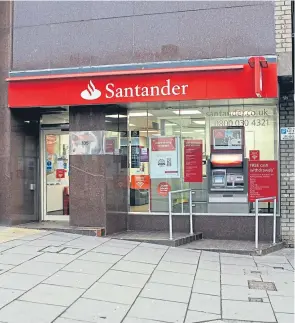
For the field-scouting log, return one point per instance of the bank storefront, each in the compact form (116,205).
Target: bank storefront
(127,139)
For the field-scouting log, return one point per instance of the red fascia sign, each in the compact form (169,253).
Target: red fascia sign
(193,161)
(195,83)
(262,179)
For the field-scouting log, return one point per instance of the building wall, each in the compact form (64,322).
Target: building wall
(283,29)
(92,33)
(287,166)
(283,34)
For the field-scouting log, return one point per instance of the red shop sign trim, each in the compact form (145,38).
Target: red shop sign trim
(229,82)
(262,179)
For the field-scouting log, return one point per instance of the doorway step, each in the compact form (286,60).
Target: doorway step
(63,226)
(161,238)
(235,246)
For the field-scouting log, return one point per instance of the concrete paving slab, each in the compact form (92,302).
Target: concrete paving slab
(14,259)
(209,265)
(37,268)
(182,256)
(158,310)
(282,304)
(145,255)
(96,311)
(8,295)
(88,267)
(4,268)
(247,311)
(25,250)
(209,275)
(112,293)
(112,250)
(285,317)
(205,303)
(166,292)
(72,279)
(242,293)
(56,258)
(19,281)
(63,320)
(170,278)
(236,270)
(206,287)
(100,257)
(124,278)
(26,312)
(177,267)
(134,267)
(194,317)
(52,295)
(45,243)
(238,280)
(238,261)
(129,319)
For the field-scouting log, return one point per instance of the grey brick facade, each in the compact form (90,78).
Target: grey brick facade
(286,112)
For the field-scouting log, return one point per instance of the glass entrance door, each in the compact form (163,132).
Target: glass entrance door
(55,156)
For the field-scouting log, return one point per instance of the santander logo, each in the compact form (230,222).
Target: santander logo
(91,93)
(111,90)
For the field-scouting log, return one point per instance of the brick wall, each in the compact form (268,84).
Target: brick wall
(283,34)
(287,165)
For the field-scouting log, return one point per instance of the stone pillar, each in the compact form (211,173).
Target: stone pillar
(98,182)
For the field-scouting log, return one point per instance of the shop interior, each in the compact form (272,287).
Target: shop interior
(188,120)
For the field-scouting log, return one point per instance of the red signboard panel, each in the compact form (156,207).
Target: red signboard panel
(227,82)
(193,164)
(163,144)
(60,173)
(254,155)
(163,189)
(262,179)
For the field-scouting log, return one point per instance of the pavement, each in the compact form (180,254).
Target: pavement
(67,278)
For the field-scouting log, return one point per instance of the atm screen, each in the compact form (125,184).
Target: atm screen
(218,179)
(226,160)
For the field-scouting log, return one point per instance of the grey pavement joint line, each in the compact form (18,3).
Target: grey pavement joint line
(45,278)
(144,284)
(192,287)
(81,296)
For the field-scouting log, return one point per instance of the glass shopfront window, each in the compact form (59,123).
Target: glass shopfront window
(170,147)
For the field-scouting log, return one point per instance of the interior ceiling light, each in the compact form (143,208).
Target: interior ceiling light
(140,114)
(183,131)
(131,125)
(186,112)
(116,116)
(199,121)
(170,124)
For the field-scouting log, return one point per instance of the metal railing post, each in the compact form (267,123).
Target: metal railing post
(170,217)
(191,211)
(256,224)
(274,220)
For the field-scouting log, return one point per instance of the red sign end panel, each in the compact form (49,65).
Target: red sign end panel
(262,179)
(207,83)
(193,161)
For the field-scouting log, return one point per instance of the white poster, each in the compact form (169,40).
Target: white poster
(87,143)
(164,157)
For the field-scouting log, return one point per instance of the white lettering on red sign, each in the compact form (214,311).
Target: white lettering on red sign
(111,91)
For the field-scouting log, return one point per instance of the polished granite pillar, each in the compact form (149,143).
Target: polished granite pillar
(98,180)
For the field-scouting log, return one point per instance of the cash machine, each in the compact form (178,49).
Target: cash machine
(227,171)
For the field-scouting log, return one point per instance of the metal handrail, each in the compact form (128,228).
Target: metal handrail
(274,217)
(190,211)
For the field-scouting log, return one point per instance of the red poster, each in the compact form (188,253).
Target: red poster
(110,145)
(60,173)
(262,179)
(163,189)
(254,155)
(193,165)
(163,144)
